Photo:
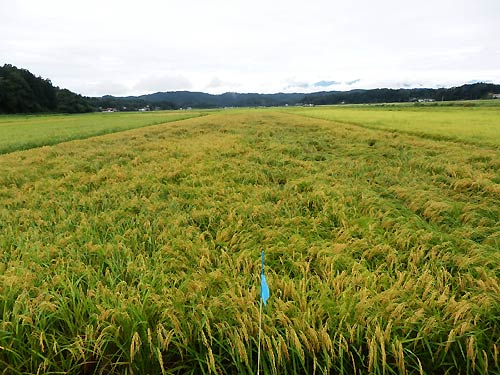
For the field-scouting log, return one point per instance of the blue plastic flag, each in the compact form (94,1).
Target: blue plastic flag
(264,288)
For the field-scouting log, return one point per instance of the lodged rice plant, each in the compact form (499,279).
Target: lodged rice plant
(139,252)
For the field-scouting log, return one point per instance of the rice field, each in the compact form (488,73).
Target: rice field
(25,132)
(138,252)
(467,122)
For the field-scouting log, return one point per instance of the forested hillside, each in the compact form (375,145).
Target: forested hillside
(23,92)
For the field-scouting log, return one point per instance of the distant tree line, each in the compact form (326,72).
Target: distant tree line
(131,103)
(23,92)
(465,92)
(184,99)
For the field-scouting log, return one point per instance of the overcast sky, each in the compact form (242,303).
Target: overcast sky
(123,47)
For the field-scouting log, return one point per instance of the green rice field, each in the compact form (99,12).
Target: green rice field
(464,121)
(25,132)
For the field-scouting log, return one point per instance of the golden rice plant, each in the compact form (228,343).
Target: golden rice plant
(139,251)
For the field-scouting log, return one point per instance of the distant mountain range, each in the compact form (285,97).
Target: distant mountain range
(189,99)
(184,99)
(22,92)
(229,99)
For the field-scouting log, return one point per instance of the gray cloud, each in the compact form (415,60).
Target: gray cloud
(163,83)
(219,86)
(293,84)
(215,83)
(102,88)
(326,83)
(349,83)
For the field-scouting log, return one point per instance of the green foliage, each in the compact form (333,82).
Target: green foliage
(69,102)
(139,252)
(22,92)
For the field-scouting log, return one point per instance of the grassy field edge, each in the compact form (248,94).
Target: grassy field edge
(27,145)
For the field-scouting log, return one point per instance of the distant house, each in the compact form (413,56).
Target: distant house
(495,96)
(422,100)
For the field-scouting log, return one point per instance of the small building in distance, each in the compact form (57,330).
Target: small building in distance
(495,96)
(427,100)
